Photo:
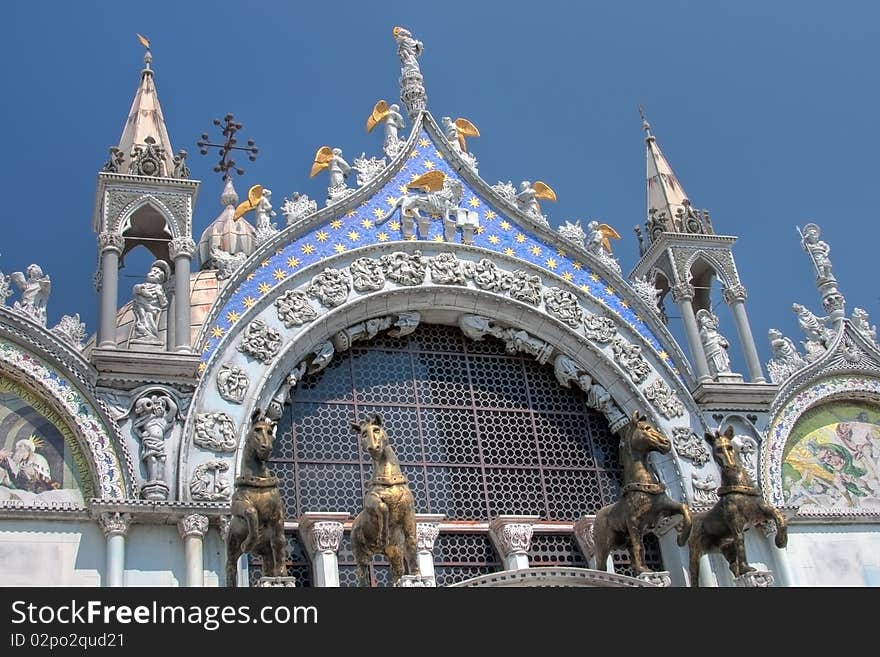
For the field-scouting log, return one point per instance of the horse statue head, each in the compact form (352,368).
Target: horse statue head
(372,434)
(643,504)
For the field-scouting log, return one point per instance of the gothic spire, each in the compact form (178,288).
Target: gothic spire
(144,147)
(667,201)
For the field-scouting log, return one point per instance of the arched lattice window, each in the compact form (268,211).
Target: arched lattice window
(478,432)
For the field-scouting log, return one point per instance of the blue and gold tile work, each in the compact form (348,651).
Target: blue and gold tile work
(360,226)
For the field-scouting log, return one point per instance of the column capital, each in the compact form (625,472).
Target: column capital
(322,532)
(114,523)
(512,534)
(110,241)
(733,294)
(683,292)
(193,525)
(426,534)
(181,246)
(583,534)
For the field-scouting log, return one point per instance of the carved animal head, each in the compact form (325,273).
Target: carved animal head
(372,434)
(262,434)
(722,448)
(642,436)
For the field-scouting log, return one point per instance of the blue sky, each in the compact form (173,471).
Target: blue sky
(766,112)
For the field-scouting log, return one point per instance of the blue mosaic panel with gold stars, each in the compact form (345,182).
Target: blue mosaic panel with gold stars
(358,227)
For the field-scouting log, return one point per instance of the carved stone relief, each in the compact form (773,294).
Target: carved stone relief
(487,276)
(664,399)
(629,357)
(367,275)
(294,308)
(563,305)
(330,287)
(446,269)
(215,431)
(690,446)
(232,383)
(525,287)
(598,328)
(208,483)
(404,268)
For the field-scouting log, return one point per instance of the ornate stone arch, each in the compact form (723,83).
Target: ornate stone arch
(301,332)
(723,268)
(838,387)
(109,463)
(144,200)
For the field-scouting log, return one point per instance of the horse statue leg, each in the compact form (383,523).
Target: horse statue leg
(773,514)
(278,547)
(669,507)
(601,539)
(394,552)
(411,543)
(695,549)
(233,552)
(636,549)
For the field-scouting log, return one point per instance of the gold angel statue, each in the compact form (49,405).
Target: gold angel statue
(457,130)
(393,120)
(528,195)
(600,236)
(255,194)
(331,159)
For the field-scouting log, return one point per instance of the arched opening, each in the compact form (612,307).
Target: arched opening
(479,432)
(147,227)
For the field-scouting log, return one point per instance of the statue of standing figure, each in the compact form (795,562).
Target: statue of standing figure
(35,287)
(153,418)
(818,251)
(714,344)
(409,50)
(149,302)
(332,160)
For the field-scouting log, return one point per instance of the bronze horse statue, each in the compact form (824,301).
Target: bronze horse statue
(387,523)
(257,523)
(643,504)
(739,506)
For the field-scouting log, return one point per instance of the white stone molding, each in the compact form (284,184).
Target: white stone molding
(115,523)
(193,524)
(293,309)
(416,581)
(215,431)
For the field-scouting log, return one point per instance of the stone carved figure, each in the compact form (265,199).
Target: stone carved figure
(746,449)
(515,340)
(257,523)
(294,309)
(263,214)
(297,207)
(739,506)
(149,302)
(367,275)
(487,276)
(232,383)
(564,306)
(260,341)
(330,287)
(332,160)
(446,269)
(786,360)
(527,199)
(819,251)
(715,345)
(404,268)
(817,333)
(598,242)
(154,417)
(861,324)
(35,287)
(208,483)
(525,287)
(643,504)
(629,357)
(387,523)
(397,326)
(215,431)
(704,489)
(433,193)
(392,120)
(599,328)
(664,399)
(688,445)
(409,50)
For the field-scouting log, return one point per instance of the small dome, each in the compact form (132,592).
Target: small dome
(225,232)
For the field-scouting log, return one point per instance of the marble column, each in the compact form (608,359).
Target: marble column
(784,572)
(321,534)
(735,298)
(181,251)
(192,530)
(110,245)
(512,537)
(115,527)
(683,296)
(427,531)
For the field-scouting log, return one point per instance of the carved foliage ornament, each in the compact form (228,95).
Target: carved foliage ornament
(293,309)
(563,305)
(367,275)
(193,525)
(215,431)
(515,537)
(326,535)
(330,287)
(664,399)
(690,446)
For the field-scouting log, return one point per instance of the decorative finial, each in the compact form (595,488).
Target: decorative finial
(412,88)
(226,164)
(645,125)
(148,57)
